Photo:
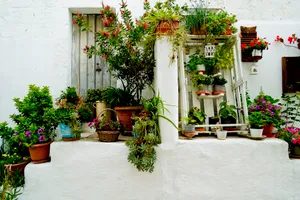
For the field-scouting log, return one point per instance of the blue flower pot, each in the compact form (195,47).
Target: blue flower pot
(66,131)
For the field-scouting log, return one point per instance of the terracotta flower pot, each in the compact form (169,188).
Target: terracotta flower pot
(219,89)
(200,129)
(126,113)
(19,167)
(39,153)
(199,31)
(166,26)
(267,131)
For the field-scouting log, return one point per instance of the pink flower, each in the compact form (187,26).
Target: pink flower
(90,124)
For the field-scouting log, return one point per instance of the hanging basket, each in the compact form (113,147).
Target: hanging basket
(167,26)
(108,135)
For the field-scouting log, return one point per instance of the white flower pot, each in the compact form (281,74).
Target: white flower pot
(221,135)
(256,132)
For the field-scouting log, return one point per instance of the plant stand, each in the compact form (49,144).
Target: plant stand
(234,93)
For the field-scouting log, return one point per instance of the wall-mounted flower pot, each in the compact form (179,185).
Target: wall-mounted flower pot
(219,89)
(167,26)
(248,57)
(39,153)
(256,132)
(126,113)
(248,30)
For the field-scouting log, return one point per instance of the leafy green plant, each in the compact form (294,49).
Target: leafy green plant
(224,54)
(199,80)
(227,110)
(85,113)
(119,97)
(194,60)
(256,119)
(36,113)
(93,95)
(146,132)
(219,81)
(196,116)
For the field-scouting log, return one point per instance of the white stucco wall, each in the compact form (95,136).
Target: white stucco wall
(206,169)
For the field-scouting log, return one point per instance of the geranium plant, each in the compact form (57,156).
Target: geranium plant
(291,40)
(258,44)
(107,124)
(122,44)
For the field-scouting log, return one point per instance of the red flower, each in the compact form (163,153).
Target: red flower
(290,39)
(74,21)
(145,25)
(146,1)
(243,46)
(259,43)
(107,7)
(252,44)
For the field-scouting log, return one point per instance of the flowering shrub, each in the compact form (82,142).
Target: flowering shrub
(291,39)
(291,135)
(266,105)
(258,44)
(122,44)
(107,124)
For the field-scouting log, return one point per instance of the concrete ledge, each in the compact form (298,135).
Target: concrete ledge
(205,168)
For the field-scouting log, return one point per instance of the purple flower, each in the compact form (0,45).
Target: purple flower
(40,131)
(90,124)
(264,102)
(28,133)
(42,138)
(239,109)
(107,122)
(287,121)
(96,120)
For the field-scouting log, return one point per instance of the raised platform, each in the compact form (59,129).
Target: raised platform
(204,168)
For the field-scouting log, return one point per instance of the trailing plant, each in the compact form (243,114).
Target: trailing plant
(36,113)
(291,108)
(224,54)
(166,12)
(9,189)
(146,132)
(219,81)
(122,44)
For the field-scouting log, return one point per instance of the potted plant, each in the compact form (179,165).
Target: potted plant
(271,111)
(202,82)
(291,135)
(36,122)
(108,130)
(219,85)
(256,121)
(95,98)
(123,103)
(228,114)
(71,110)
(15,156)
(221,134)
(197,117)
(85,116)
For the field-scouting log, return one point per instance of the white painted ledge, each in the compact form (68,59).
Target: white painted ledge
(206,169)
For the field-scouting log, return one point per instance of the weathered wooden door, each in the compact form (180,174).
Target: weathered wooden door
(88,73)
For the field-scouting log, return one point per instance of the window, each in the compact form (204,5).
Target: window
(88,73)
(290,74)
